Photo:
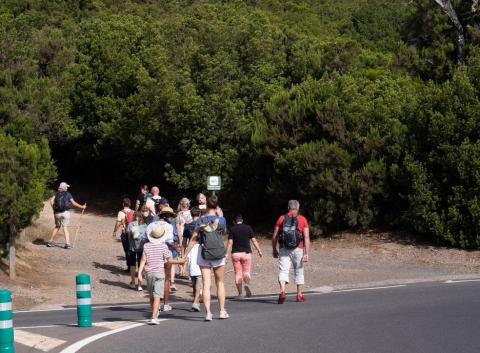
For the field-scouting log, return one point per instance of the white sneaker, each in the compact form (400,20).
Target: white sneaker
(196,307)
(153,322)
(166,307)
(224,314)
(140,288)
(208,317)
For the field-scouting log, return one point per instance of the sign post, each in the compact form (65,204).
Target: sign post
(214,183)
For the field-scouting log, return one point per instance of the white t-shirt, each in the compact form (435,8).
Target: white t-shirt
(193,268)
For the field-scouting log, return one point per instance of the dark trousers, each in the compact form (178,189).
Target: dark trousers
(126,247)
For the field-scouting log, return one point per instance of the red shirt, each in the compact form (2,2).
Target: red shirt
(302,225)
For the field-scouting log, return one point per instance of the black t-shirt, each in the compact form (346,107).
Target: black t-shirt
(241,235)
(142,198)
(188,230)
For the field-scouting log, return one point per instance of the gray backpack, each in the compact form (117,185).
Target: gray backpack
(213,245)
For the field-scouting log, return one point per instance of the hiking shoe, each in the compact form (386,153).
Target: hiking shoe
(301,298)
(166,307)
(153,322)
(173,287)
(196,307)
(49,244)
(209,317)
(67,246)
(139,288)
(248,292)
(281,298)
(224,314)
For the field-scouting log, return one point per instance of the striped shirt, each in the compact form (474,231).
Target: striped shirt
(157,255)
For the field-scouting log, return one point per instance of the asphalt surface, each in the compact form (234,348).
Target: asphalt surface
(423,318)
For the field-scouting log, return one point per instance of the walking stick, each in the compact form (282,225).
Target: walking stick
(78,229)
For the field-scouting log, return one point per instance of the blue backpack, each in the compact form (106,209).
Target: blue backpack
(61,202)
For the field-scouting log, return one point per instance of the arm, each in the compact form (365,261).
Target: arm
(306,242)
(274,241)
(229,247)
(257,246)
(52,200)
(77,205)
(143,261)
(176,262)
(219,212)
(193,241)
(137,205)
(118,225)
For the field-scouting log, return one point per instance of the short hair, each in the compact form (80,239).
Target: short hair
(144,187)
(155,188)
(293,205)
(212,202)
(195,211)
(127,202)
(238,218)
(145,209)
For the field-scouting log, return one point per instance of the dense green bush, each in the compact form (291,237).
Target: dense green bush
(357,108)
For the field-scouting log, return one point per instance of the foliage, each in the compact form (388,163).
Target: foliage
(357,108)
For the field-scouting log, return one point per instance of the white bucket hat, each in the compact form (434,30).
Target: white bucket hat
(158,234)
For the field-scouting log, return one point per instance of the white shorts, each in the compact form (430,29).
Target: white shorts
(209,263)
(62,219)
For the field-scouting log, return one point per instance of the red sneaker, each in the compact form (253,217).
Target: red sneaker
(281,298)
(301,298)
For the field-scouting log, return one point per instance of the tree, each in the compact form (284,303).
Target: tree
(25,170)
(447,7)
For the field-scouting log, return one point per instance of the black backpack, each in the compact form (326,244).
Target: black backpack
(61,203)
(213,245)
(290,232)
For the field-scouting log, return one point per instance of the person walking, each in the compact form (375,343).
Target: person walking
(195,276)
(239,238)
(154,201)
(209,233)
(142,197)
(124,217)
(202,204)
(62,203)
(292,234)
(154,260)
(135,230)
(188,231)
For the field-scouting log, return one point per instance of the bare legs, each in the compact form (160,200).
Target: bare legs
(65,232)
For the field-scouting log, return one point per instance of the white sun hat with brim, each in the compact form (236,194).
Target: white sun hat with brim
(158,234)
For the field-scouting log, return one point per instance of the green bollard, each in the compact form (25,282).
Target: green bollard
(84,301)
(6,324)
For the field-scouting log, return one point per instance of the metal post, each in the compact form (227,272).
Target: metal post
(6,323)
(84,301)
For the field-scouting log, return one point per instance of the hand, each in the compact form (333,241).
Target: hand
(226,258)
(260,253)
(84,206)
(275,254)
(140,278)
(305,258)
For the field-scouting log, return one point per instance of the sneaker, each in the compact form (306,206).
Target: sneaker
(67,246)
(196,307)
(301,298)
(132,285)
(49,244)
(281,298)
(248,292)
(166,307)
(153,322)
(208,317)
(240,296)
(173,287)
(224,314)
(139,288)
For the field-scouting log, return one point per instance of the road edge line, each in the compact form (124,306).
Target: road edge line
(82,343)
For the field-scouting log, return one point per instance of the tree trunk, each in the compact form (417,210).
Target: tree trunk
(12,255)
(447,7)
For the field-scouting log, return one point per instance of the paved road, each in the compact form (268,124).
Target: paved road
(423,318)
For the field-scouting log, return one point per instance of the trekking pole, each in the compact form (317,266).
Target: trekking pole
(78,229)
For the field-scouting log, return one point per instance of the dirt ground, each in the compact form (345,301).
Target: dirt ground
(46,276)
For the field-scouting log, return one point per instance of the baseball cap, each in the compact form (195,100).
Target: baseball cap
(63,185)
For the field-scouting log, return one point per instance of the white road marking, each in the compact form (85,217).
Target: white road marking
(42,326)
(82,343)
(40,342)
(368,288)
(462,281)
